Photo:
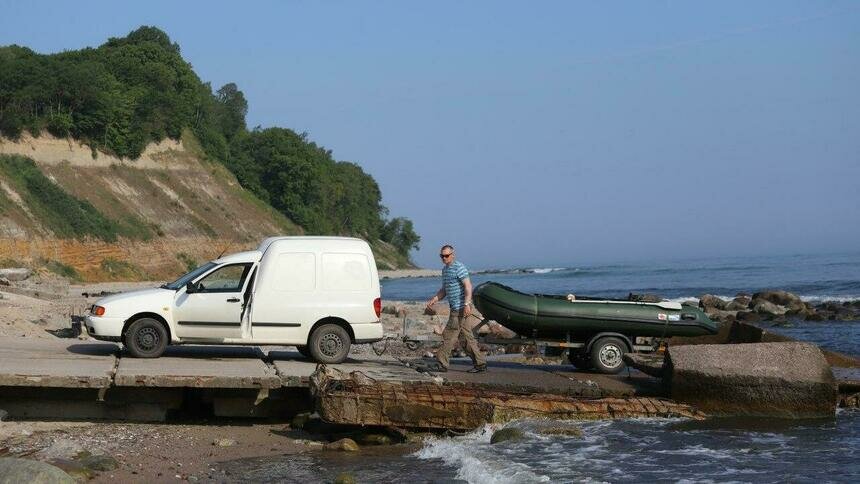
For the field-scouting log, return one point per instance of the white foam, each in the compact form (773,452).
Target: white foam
(475,461)
(819,299)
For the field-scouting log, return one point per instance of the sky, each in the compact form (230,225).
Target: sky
(544,134)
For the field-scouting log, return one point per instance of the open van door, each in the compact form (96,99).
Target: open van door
(211,308)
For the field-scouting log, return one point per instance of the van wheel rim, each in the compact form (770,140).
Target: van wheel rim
(147,338)
(610,356)
(331,345)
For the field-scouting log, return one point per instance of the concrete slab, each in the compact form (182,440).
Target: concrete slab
(294,369)
(199,367)
(67,363)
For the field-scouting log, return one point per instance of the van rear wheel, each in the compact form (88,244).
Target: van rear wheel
(146,338)
(329,343)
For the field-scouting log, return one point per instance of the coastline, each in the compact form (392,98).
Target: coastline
(409,273)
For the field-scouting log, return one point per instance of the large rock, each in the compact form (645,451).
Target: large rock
(787,380)
(740,303)
(14,471)
(708,301)
(15,274)
(780,298)
(768,308)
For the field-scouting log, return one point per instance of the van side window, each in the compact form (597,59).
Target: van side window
(228,278)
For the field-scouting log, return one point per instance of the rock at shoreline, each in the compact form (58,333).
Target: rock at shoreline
(767,308)
(507,434)
(780,298)
(707,301)
(786,380)
(346,445)
(14,470)
(646,298)
(748,316)
(741,302)
(345,478)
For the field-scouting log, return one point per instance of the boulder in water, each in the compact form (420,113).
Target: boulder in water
(14,470)
(345,478)
(346,445)
(786,380)
(506,434)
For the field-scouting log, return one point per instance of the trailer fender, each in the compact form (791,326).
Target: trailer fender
(596,337)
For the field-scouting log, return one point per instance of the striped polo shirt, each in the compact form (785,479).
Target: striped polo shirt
(453,276)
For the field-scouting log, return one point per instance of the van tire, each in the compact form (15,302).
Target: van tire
(329,343)
(305,351)
(146,338)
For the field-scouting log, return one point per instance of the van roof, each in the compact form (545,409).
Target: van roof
(248,256)
(267,242)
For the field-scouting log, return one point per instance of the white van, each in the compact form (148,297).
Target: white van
(320,294)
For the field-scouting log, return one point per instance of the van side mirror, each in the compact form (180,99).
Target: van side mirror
(190,288)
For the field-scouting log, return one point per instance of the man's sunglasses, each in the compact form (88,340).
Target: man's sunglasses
(445,256)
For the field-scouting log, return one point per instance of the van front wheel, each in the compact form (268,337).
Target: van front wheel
(304,351)
(329,344)
(146,338)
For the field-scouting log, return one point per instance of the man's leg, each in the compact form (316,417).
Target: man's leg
(449,339)
(471,343)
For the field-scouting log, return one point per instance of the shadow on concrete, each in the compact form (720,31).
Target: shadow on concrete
(214,351)
(94,349)
(280,355)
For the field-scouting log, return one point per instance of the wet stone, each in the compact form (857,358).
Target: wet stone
(345,445)
(99,462)
(507,434)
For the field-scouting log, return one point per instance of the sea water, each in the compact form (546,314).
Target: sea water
(633,450)
(813,277)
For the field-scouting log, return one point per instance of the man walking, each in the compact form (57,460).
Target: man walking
(457,287)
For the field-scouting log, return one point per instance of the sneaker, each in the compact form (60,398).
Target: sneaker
(478,369)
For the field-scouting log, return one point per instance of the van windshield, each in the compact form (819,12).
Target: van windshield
(182,281)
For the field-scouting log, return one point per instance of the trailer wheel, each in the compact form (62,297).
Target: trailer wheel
(304,351)
(329,343)
(146,338)
(606,355)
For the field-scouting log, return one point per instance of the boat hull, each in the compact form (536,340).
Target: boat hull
(554,317)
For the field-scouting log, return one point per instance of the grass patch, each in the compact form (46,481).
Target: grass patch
(62,213)
(6,263)
(122,270)
(190,262)
(63,270)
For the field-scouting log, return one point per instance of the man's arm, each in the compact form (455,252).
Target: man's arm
(440,295)
(467,298)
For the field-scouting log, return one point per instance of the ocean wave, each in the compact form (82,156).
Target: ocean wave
(810,299)
(475,461)
(528,270)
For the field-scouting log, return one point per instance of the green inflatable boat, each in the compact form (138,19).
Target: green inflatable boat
(556,317)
